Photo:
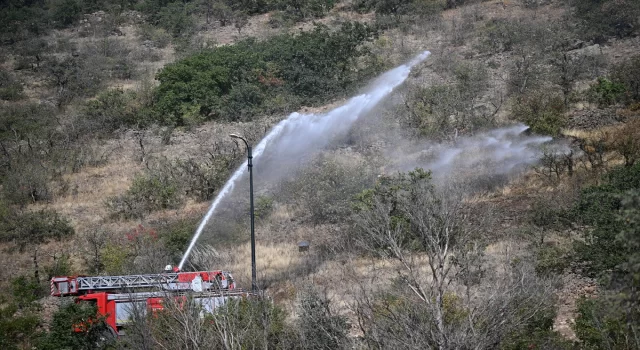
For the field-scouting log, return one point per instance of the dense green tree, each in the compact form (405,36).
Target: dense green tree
(602,18)
(17,328)
(543,111)
(612,320)
(65,12)
(599,208)
(239,81)
(176,18)
(76,326)
(32,227)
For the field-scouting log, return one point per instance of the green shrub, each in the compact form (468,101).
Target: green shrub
(600,324)
(61,266)
(176,19)
(19,22)
(440,109)
(26,182)
(542,112)
(293,9)
(603,18)
(158,36)
(326,189)
(626,141)
(148,193)
(536,333)
(32,227)
(177,235)
(551,260)
(391,197)
(18,329)
(297,10)
(76,77)
(612,319)
(242,80)
(201,179)
(31,145)
(111,110)
(63,335)
(10,89)
(501,35)
(398,7)
(547,215)
(65,12)
(25,290)
(599,207)
(606,92)
(252,323)
(627,74)
(263,207)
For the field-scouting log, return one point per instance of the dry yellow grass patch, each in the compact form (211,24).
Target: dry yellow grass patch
(603,133)
(271,260)
(88,190)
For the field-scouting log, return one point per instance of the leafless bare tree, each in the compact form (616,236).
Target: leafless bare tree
(437,224)
(437,242)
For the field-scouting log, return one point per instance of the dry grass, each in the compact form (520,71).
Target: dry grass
(602,133)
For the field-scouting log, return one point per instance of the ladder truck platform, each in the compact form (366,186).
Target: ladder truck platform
(118,298)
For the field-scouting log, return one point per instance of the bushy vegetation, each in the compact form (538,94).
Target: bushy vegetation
(606,92)
(602,18)
(148,193)
(16,328)
(25,228)
(110,111)
(626,141)
(10,89)
(94,332)
(165,184)
(237,82)
(294,9)
(627,74)
(600,208)
(542,111)
(395,7)
(613,318)
(439,110)
(392,194)
(620,87)
(326,189)
(404,217)
(139,250)
(243,323)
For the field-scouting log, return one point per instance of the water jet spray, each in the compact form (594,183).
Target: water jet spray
(312,130)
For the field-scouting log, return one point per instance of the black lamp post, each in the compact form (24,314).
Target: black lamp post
(254,286)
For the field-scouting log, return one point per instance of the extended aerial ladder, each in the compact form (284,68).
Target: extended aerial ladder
(117,297)
(177,281)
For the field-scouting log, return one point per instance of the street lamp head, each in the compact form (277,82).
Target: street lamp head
(246,143)
(235,136)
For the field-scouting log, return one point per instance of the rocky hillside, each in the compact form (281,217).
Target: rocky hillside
(114,124)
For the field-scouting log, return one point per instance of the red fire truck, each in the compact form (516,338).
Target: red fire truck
(117,297)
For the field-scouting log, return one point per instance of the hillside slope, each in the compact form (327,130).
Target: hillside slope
(114,136)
